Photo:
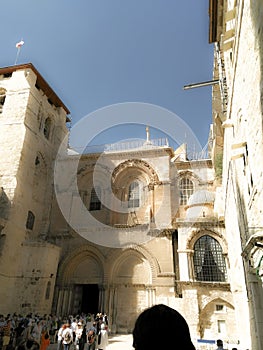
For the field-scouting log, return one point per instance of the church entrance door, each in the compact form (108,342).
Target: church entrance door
(86,298)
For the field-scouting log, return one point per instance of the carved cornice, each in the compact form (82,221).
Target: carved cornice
(208,285)
(200,222)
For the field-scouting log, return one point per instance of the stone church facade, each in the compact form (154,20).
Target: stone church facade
(120,230)
(53,261)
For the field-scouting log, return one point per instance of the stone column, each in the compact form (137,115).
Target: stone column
(65,301)
(58,307)
(183,264)
(70,299)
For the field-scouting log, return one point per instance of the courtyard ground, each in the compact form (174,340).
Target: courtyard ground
(116,342)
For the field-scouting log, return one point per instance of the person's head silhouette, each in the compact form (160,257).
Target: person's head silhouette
(219,343)
(161,327)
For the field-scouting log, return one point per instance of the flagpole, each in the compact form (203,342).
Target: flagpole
(17,55)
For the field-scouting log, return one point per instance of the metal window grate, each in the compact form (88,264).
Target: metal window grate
(95,203)
(134,195)
(209,262)
(186,188)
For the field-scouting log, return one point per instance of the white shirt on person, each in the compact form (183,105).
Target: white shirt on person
(64,334)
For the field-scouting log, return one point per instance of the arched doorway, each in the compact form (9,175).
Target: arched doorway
(80,283)
(133,291)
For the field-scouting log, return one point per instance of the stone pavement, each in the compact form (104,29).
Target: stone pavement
(120,342)
(116,342)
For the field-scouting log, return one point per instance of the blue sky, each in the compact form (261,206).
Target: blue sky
(96,53)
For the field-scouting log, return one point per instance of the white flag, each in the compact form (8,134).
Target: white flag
(18,45)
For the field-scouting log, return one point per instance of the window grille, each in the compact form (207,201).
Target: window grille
(95,203)
(219,307)
(186,188)
(209,262)
(134,195)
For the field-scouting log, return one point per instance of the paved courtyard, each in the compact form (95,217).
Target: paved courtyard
(116,342)
(120,342)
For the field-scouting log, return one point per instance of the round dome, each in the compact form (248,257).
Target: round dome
(201,197)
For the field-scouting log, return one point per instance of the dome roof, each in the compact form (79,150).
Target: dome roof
(201,197)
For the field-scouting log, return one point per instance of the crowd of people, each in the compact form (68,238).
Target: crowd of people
(156,327)
(35,332)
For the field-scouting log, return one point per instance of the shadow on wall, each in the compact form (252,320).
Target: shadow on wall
(4,205)
(4,213)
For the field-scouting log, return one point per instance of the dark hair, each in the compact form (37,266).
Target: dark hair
(29,343)
(161,327)
(219,342)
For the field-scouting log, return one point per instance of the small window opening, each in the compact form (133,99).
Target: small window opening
(7,75)
(134,195)
(47,127)
(186,188)
(48,290)
(95,203)
(219,307)
(2,99)
(30,220)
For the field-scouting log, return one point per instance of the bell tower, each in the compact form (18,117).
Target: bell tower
(32,126)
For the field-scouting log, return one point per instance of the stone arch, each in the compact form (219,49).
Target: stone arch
(85,253)
(137,251)
(143,166)
(190,174)
(209,316)
(216,272)
(199,232)
(85,175)
(83,170)
(131,276)
(123,176)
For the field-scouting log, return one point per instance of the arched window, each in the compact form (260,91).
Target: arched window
(30,220)
(134,195)
(47,128)
(209,262)
(2,99)
(48,290)
(186,188)
(95,203)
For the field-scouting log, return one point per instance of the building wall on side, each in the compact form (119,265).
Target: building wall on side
(241,48)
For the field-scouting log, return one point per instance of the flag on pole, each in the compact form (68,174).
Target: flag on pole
(18,45)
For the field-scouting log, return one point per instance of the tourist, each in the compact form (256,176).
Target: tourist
(60,331)
(78,334)
(102,338)
(219,344)
(45,341)
(161,327)
(91,337)
(67,337)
